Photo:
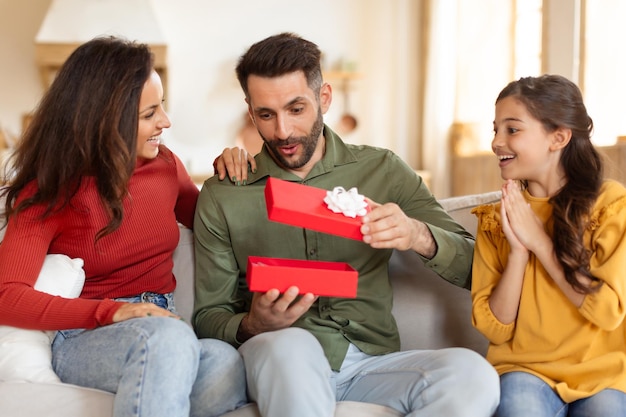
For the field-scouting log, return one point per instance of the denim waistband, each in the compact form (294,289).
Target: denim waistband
(165,301)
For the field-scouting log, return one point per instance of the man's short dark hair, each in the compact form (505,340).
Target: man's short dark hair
(278,55)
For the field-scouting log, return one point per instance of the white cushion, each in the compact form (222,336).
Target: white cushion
(25,355)
(343,409)
(19,399)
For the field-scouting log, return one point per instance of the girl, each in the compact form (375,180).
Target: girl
(549,271)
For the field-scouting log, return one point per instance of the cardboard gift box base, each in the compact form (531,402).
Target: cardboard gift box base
(327,279)
(302,205)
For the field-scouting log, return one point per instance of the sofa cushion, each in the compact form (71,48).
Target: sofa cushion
(65,400)
(183,272)
(21,399)
(432,313)
(343,409)
(25,355)
(460,208)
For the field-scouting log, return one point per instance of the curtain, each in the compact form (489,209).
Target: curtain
(439,75)
(468,58)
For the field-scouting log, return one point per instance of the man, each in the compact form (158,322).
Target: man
(304,353)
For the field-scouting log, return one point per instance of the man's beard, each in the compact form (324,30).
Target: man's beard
(309,143)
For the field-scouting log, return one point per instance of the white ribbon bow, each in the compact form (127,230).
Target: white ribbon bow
(350,202)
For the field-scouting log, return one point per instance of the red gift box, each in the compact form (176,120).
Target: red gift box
(302,205)
(328,279)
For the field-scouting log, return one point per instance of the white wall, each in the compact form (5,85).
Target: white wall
(20,86)
(205,38)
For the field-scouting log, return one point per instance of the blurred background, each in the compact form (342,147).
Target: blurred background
(419,77)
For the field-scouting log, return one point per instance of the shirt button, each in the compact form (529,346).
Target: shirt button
(312,252)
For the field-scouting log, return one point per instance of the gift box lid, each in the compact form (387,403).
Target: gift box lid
(302,205)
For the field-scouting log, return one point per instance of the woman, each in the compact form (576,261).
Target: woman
(93,181)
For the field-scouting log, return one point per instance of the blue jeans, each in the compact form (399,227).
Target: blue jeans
(524,394)
(289,375)
(156,366)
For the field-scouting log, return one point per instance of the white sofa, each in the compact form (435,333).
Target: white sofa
(431,313)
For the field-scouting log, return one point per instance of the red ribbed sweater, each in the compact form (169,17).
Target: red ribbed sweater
(135,258)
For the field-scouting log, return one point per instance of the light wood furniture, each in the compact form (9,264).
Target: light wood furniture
(479,173)
(472,173)
(3,140)
(615,161)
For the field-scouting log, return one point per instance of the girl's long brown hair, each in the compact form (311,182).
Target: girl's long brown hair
(557,102)
(85,125)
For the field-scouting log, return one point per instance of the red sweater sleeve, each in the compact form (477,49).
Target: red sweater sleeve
(22,253)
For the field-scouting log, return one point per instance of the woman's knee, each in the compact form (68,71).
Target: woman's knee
(103,355)
(167,337)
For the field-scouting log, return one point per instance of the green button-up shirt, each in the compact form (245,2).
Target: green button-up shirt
(231,224)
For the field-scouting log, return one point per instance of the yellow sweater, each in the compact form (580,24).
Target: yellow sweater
(577,351)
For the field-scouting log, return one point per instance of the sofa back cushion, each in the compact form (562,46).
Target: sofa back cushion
(432,313)
(184,274)
(460,207)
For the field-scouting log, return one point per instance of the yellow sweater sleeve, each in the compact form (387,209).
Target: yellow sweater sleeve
(490,254)
(606,238)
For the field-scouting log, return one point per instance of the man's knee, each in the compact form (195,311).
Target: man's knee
(282,344)
(291,350)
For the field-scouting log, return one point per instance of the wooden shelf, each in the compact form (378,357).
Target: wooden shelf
(49,58)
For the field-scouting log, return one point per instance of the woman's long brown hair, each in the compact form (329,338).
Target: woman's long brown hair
(557,102)
(85,125)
